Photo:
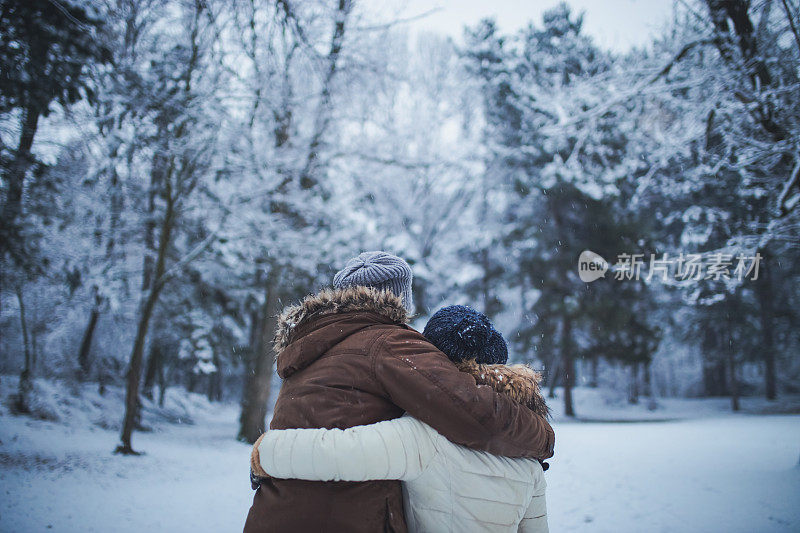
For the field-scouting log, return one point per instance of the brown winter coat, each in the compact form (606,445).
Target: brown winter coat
(348,358)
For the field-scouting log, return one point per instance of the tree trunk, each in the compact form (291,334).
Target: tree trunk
(162,385)
(714,371)
(715,376)
(734,385)
(732,381)
(137,354)
(555,379)
(633,384)
(191,380)
(650,386)
(764,291)
(154,362)
(258,377)
(486,282)
(215,380)
(595,363)
(84,363)
(673,382)
(419,293)
(569,366)
(15,177)
(102,377)
(34,335)
(134,375)
(25,377)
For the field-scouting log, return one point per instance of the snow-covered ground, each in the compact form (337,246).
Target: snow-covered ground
(62,476)
(729,473)
(711,472)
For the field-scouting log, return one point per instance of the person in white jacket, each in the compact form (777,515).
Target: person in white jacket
(446,487)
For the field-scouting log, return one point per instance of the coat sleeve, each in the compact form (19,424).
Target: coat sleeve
(535,518)
(395,449)
(420,379)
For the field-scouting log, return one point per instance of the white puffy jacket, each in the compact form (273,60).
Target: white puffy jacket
(447,487)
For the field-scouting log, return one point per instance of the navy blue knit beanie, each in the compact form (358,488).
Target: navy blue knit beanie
(463,333)
(496,352)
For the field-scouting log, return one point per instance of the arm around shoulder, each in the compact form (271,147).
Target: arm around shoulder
(394,449)
(420,379)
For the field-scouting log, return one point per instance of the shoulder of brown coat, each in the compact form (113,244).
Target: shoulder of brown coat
(518,382)
(407,344)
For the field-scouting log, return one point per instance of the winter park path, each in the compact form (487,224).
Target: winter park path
(722,473)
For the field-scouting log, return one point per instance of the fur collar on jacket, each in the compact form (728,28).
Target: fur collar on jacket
(333,301)
(518,382)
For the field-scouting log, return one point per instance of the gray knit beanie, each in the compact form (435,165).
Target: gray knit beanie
(380,270)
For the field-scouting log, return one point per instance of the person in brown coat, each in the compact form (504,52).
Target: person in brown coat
(348,358)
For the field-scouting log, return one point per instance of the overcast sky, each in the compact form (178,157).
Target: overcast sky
(615,24)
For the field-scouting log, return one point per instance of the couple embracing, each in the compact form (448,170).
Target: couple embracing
(380,428)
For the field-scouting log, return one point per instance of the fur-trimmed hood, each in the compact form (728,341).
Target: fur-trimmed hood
(307,330)
(334,301)
(518,382)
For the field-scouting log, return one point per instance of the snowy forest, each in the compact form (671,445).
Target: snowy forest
(175,172)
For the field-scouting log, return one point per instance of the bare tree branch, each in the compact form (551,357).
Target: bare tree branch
(790,184)
(790,16)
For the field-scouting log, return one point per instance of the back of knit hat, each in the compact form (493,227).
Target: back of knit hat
(380,270)
(463,333)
